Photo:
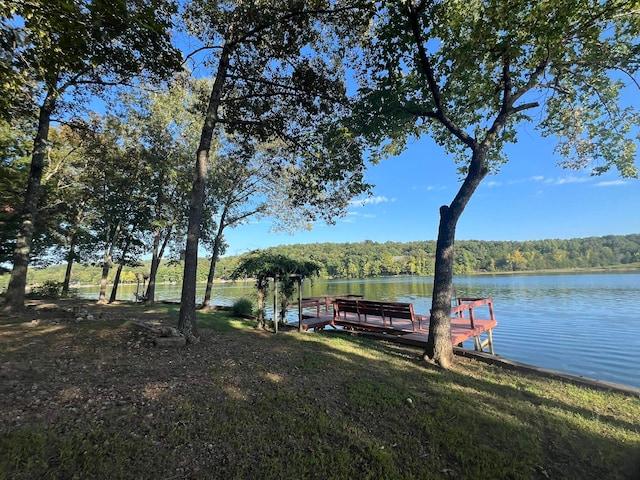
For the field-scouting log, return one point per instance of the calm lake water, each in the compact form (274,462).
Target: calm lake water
(584,324)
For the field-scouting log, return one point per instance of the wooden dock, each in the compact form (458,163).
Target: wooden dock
(471,318)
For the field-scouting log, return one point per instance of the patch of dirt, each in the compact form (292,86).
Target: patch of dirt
(76,356)
(72,367)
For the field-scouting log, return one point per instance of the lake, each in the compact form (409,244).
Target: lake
(584,324)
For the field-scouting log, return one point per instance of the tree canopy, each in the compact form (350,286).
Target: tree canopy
(63,52)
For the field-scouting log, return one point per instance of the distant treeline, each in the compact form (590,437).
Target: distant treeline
(372,259)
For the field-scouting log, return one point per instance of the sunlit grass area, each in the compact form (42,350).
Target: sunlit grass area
(97,400)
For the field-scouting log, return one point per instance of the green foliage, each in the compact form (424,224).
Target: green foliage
(48,289)
(63,43)
(468,74)
(262,265)
(281,92)
(242,306)
(371,259)
(265,265)
(15,146)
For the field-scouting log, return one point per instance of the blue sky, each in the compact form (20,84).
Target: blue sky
(530,198)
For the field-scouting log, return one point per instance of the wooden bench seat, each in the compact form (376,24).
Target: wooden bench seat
(385,310)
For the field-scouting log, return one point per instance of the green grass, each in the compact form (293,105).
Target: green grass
(93,400)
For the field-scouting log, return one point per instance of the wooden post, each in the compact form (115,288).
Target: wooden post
(299,304)
(275,304)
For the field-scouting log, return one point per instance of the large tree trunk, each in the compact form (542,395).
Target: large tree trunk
(187,319)
(14,297)
(106,266)
(439,347)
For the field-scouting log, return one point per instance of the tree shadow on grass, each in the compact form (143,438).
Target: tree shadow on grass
(575,426)
(96,400)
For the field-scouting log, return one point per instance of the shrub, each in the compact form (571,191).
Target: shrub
(242,306)
(49,289)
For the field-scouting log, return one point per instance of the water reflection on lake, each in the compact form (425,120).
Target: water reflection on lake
(585,324)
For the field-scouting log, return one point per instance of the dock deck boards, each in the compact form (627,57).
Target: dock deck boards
(402,330)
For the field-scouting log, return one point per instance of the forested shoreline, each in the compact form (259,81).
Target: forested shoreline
(372,259)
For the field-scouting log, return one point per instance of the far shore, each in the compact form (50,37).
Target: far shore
(629,268)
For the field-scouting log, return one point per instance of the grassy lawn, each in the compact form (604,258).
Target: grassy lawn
(95,399)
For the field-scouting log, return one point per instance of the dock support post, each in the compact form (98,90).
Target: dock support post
(275,304)
(299,304)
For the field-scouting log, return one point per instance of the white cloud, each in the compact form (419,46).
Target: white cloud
(535,178)
(370,200)
(565,180)
(611,183)
(492,184)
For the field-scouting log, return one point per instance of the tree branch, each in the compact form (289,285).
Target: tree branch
(198,50)
(434,89)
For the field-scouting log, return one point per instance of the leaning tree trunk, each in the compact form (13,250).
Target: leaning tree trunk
(158,253)
(187,318)
(439,347)
(72,251)
(116,283)
(206,301)
(116,279)
(70,259)
(214,259)
(14,297)
(106,266)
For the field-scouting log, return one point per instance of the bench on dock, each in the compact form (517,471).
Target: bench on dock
(385,310)
(468,319)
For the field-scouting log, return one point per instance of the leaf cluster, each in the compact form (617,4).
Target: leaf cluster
(68,44)
(284,86)
(262,265)
(469,73)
